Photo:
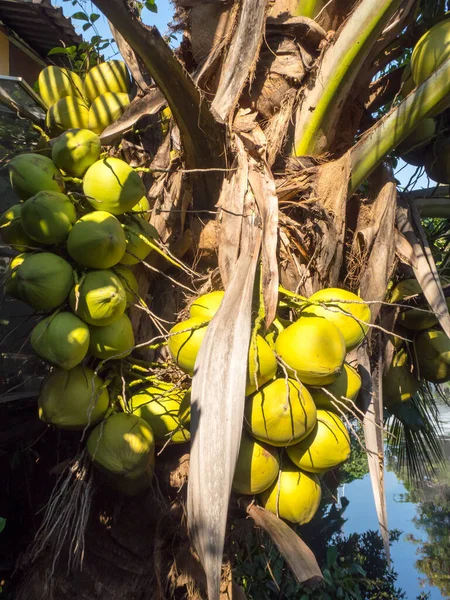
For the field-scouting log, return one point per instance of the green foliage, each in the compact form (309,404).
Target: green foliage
(16,135)
(357,466)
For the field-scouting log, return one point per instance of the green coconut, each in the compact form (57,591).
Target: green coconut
(313,348)
(107,109)
(123,448)
(111,76)
(33,173)
(207,305)
(399,383)
(139,235)
(56,83)
(73,399)
(160,404)
(112,341)
(281,413)
(12,232)
(74,151)
(437,162)
(294,496)
(341,394)
(407,81)
(430,52)
(129,282)
(68,113)
(327,446)
(420,136)
(256,468)
(48,217)
(412,318)
(433,355)
(344,309)
(97,240)
(110,184)
(43,280)
(61,339)
(11,274)
(99,298)
(185,341)
(143,206)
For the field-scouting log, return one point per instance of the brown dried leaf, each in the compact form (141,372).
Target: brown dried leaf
(241,58)
(371,397)
(263,186)
(299,557)
(217,409)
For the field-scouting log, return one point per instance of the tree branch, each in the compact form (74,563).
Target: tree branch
(202,137)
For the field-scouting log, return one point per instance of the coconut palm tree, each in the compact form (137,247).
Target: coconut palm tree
(276,174)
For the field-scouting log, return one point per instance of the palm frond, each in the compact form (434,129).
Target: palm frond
(417,453)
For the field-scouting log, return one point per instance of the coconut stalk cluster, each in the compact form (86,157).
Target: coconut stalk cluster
(300,390)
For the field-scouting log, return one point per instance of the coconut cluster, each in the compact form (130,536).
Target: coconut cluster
(299,385)
(79,228)
(92,104)
(429,145)
(426,357)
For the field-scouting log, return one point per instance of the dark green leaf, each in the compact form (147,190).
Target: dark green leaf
(94,17)
(357,569)
(86,26)
(96,39)
(327,576)
(2,523)
(331,556)
(81,16)
(151,6)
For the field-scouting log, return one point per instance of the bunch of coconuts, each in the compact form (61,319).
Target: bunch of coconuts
(78,230)
(299,386)
(91,104)
(427,357)
(429,144)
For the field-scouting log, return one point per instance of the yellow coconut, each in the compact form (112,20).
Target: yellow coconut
(68,113)
(61,339)
(185,341)
(112,185)
(294,496)
(43,280)
(97,240)
(73,399)
(129,282)
(143,206)
(112,341)
(433,355)
(123,449)
(339,303)
(56,83)
(399,383)
(99,298)
(32,173)
(404,289)
(256,468)
(160,404)
(281,413)
(313,348)
(48,217)
(111,76)
(106,109)
(207,305)
(262,365)
(12,232)
(76,150)
(139,235)
(341,394)
(327,446)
